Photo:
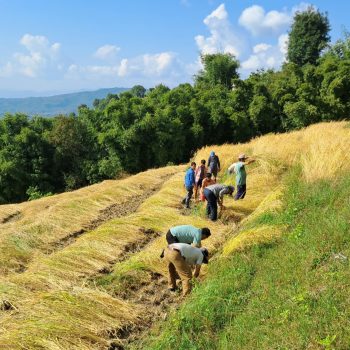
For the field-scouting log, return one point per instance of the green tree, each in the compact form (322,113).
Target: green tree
(309,35)
(138,91)
(219,68)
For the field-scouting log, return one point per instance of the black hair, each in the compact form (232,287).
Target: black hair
(208,175)
(203,161)
(205,255)
(206,231)
(193,163)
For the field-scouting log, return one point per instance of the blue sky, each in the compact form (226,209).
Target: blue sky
(59,46)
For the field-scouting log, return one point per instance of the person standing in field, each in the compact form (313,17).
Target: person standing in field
(189,184)
(213,164)
(199,176)
(241,176)
(214,194)
(180,258)
(206,182)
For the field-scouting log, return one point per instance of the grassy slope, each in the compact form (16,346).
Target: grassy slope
(282,282)
(83,295)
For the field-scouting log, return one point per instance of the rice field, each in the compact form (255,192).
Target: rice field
(81,270)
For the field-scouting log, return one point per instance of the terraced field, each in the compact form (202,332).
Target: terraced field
(81,270)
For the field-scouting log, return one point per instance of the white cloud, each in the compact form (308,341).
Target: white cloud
(222,37)
(258,22)
(283,43)
(261,47)
(40,57)
(107,52)
(157,64)
(252,63)
(123,67)
(267,56)
(144,69)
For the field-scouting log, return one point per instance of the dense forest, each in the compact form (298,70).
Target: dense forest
(139,129)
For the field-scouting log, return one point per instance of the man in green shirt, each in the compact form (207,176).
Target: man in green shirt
(241,175)
(187,234)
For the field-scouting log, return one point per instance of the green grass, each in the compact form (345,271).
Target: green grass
(292,293)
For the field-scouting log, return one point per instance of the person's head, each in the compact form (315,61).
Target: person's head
(205,255)
(242,157)
(205,232)
(193,165)
(203,161)
(208,176)
(232,189)
(212,153)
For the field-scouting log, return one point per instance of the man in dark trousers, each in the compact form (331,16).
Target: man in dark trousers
(213,164)
(214,194)
(189,184)
(180,258)
(241,176)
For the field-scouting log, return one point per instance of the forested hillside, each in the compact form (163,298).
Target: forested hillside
(53,105)
(140,129)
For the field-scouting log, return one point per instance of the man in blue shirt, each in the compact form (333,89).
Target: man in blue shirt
(189,184)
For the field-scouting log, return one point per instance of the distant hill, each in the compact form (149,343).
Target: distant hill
(52,105)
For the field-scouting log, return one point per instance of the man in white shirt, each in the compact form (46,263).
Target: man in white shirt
(180,258)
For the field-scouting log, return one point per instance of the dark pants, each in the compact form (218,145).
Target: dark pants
(188,197)
(212,205)
(170,238)
(241,191)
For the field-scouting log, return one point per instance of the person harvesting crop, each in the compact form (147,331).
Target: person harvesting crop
(214,194)
(241,176)
(180,258)
(187,234)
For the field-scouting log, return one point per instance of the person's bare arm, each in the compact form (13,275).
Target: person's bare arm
(249,161)
(197,270)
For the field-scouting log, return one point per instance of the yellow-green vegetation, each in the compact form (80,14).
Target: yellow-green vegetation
(282,280)
(272,269)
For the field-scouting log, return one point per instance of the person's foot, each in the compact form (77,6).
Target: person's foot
(162,255)
(188,207)
(172,289)
(183,201)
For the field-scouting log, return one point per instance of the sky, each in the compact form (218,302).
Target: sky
(56,46)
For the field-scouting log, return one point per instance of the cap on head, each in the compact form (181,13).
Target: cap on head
(206,231)
(205,255)
(212,153)
(242,156)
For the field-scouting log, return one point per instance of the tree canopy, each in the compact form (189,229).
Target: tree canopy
(139,129)
(309,35)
